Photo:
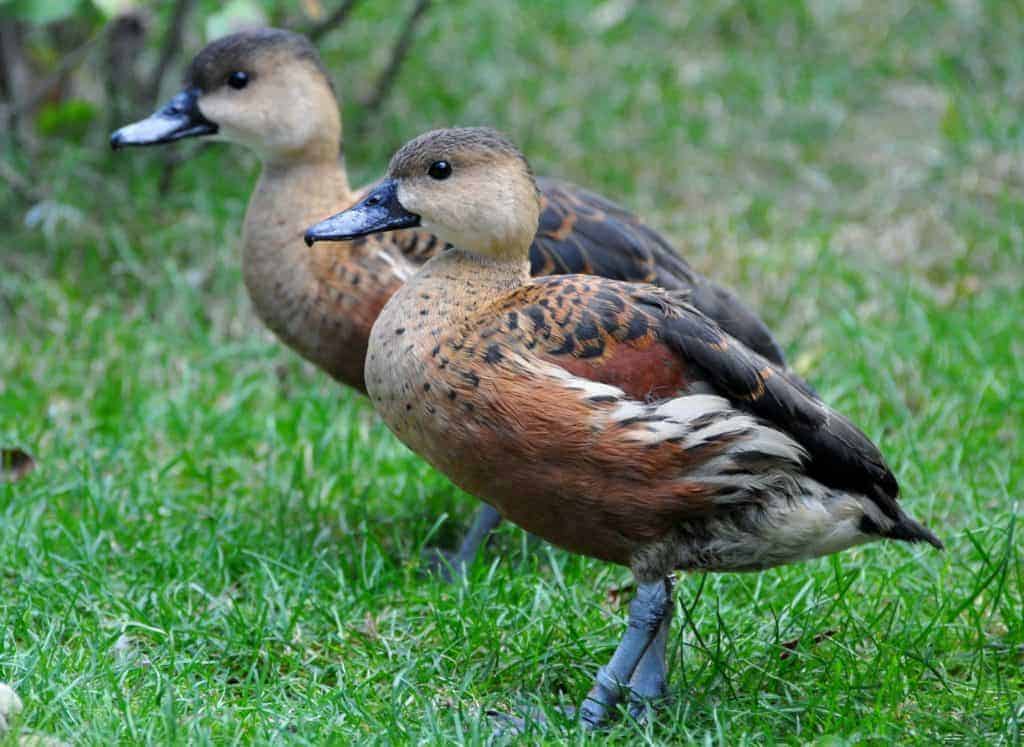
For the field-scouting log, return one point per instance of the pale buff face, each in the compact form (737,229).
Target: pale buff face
(286,108)
(488,205)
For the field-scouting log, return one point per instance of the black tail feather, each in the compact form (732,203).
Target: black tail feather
(911,530)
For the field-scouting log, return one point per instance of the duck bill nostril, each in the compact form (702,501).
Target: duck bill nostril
(378,212)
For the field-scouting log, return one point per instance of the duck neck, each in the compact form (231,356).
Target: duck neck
(290,196)
(485,275)
(463,282)
(321,301)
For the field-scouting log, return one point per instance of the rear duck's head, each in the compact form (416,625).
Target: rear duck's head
(265,88)
(470,186)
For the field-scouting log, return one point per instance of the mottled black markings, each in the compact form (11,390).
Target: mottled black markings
(513,320)
(400,331)
(426,386)
(471,378)
(637,327)
(493,354)
(610,299)
(537,316)
(586,329)
(610,321)
(568,345)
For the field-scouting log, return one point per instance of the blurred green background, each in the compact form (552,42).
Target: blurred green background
(218,544)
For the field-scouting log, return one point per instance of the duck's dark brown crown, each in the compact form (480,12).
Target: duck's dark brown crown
(461,146)
(237,52)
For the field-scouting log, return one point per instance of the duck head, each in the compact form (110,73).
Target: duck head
(266,89)
(470,186)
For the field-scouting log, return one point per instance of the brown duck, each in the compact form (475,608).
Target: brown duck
(613,419)
(268,90)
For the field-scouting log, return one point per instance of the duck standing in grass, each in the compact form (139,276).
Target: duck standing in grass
(268,90)
(613,419)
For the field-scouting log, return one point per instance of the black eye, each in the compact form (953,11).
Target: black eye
(238,79)
(440,170)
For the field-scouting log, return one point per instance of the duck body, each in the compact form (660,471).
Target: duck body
(580,409)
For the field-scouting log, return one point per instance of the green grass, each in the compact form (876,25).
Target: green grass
(220,545)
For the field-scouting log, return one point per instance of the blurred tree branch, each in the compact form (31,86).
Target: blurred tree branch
(22,100)
(19,184)
(399,52)
(333,21)
(170,48)
(125,37)
(15,72)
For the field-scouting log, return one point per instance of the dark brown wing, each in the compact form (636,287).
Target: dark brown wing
(841,456)
(655,345)
(581,232)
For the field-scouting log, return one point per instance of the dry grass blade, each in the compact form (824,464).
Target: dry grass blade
(792,645)
(15,464)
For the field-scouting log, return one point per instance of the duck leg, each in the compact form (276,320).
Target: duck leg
(650,607)
(486,521)
(648,681)
(453,565)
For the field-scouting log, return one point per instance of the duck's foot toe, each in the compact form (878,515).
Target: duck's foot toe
(647,690)
(530,720)
(641,708)
(450,566)
(445,565)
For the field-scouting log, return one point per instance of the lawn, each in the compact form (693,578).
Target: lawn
(220,545)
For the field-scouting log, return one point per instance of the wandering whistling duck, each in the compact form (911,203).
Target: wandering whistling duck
(613,419)
(268,90)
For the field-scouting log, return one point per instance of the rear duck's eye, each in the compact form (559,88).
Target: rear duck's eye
(440,170)
(238,80)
